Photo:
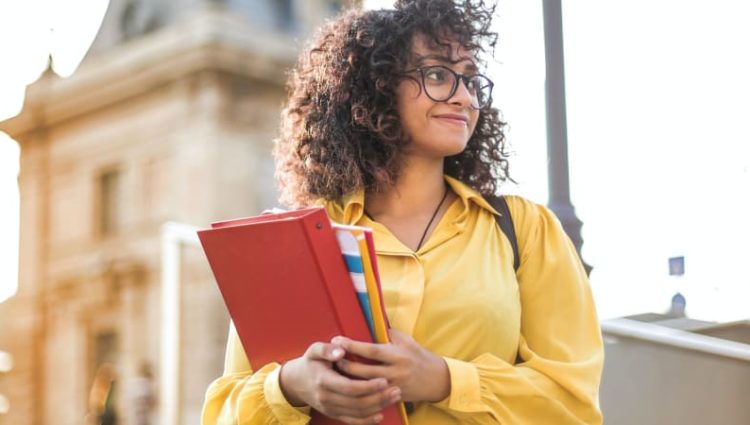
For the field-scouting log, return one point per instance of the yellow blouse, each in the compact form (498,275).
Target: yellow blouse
(521,348)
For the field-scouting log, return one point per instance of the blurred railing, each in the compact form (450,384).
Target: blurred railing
(676,338)
(656,375)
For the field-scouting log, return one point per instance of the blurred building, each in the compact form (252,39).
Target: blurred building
(170,118)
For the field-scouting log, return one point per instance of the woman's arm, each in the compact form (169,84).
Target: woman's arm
(560,352)
(242,396)
(560,349)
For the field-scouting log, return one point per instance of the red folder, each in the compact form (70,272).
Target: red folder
(286,285)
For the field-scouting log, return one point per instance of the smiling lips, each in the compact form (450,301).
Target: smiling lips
(455,119)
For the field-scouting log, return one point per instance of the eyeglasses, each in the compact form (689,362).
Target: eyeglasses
(440,84)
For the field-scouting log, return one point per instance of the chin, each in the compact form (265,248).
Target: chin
(445,152)
(453,147)
(440,147)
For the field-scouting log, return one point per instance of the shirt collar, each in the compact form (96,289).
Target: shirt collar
(467,194)
(350,208)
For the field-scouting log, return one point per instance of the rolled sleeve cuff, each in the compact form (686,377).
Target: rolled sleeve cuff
(284,412)
(465,393)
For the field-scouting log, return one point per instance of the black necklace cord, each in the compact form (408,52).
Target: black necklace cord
(434,214)
(445,195)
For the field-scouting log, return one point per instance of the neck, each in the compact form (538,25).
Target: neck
(419,189)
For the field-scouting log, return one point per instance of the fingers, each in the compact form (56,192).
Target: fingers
(359,407)
(379,352)
(339,384)
(374,419)
(323,351)
(361,370)
(354,401)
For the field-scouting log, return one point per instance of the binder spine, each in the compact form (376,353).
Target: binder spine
(332,268)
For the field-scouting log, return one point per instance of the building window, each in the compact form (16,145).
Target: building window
(109,202)
(105,348)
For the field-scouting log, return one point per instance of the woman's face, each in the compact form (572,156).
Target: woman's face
(437,129)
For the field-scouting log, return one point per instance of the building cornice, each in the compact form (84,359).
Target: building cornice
(211,40)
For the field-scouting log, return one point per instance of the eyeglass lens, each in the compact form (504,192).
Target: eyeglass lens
(441,84)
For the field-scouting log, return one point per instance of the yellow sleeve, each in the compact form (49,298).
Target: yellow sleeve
(241,397)
(561,355)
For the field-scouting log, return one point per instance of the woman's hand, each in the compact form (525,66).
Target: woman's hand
(311,380)
(421,375)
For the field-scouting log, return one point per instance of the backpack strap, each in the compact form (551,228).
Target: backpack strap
(505,221)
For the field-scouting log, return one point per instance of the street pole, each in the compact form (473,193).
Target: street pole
(557,131)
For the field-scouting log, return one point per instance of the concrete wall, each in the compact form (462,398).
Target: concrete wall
(658,381)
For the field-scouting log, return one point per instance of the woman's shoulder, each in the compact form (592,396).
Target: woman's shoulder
(522,207)
(528,215)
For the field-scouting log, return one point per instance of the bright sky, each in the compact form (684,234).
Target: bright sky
(31,31)
(8,215)
(657,101)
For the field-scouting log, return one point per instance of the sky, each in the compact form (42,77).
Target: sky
(657,100)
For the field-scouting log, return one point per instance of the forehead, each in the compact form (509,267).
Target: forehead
(449,51)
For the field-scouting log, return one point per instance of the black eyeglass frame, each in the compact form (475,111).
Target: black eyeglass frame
(457,77)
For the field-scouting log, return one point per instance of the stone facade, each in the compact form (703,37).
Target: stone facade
(170,118)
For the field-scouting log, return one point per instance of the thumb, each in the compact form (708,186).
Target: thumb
(327,352)
(336,353)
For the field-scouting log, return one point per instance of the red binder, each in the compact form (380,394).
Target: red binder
(286,285)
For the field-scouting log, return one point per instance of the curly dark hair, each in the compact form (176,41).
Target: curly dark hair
(341,132)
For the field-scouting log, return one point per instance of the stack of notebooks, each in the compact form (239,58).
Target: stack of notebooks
(292,279)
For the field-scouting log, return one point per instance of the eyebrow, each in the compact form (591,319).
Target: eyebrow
(470,66)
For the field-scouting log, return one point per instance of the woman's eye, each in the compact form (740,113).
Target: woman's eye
(436,75)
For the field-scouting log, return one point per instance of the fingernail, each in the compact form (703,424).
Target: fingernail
(396,395)
(337,352)
(378,417)
(336,340)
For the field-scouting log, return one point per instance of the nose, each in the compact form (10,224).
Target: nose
(461,97)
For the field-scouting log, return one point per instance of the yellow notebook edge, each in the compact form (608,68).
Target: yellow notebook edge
(381,329)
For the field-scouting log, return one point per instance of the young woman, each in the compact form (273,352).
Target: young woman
(390,125)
